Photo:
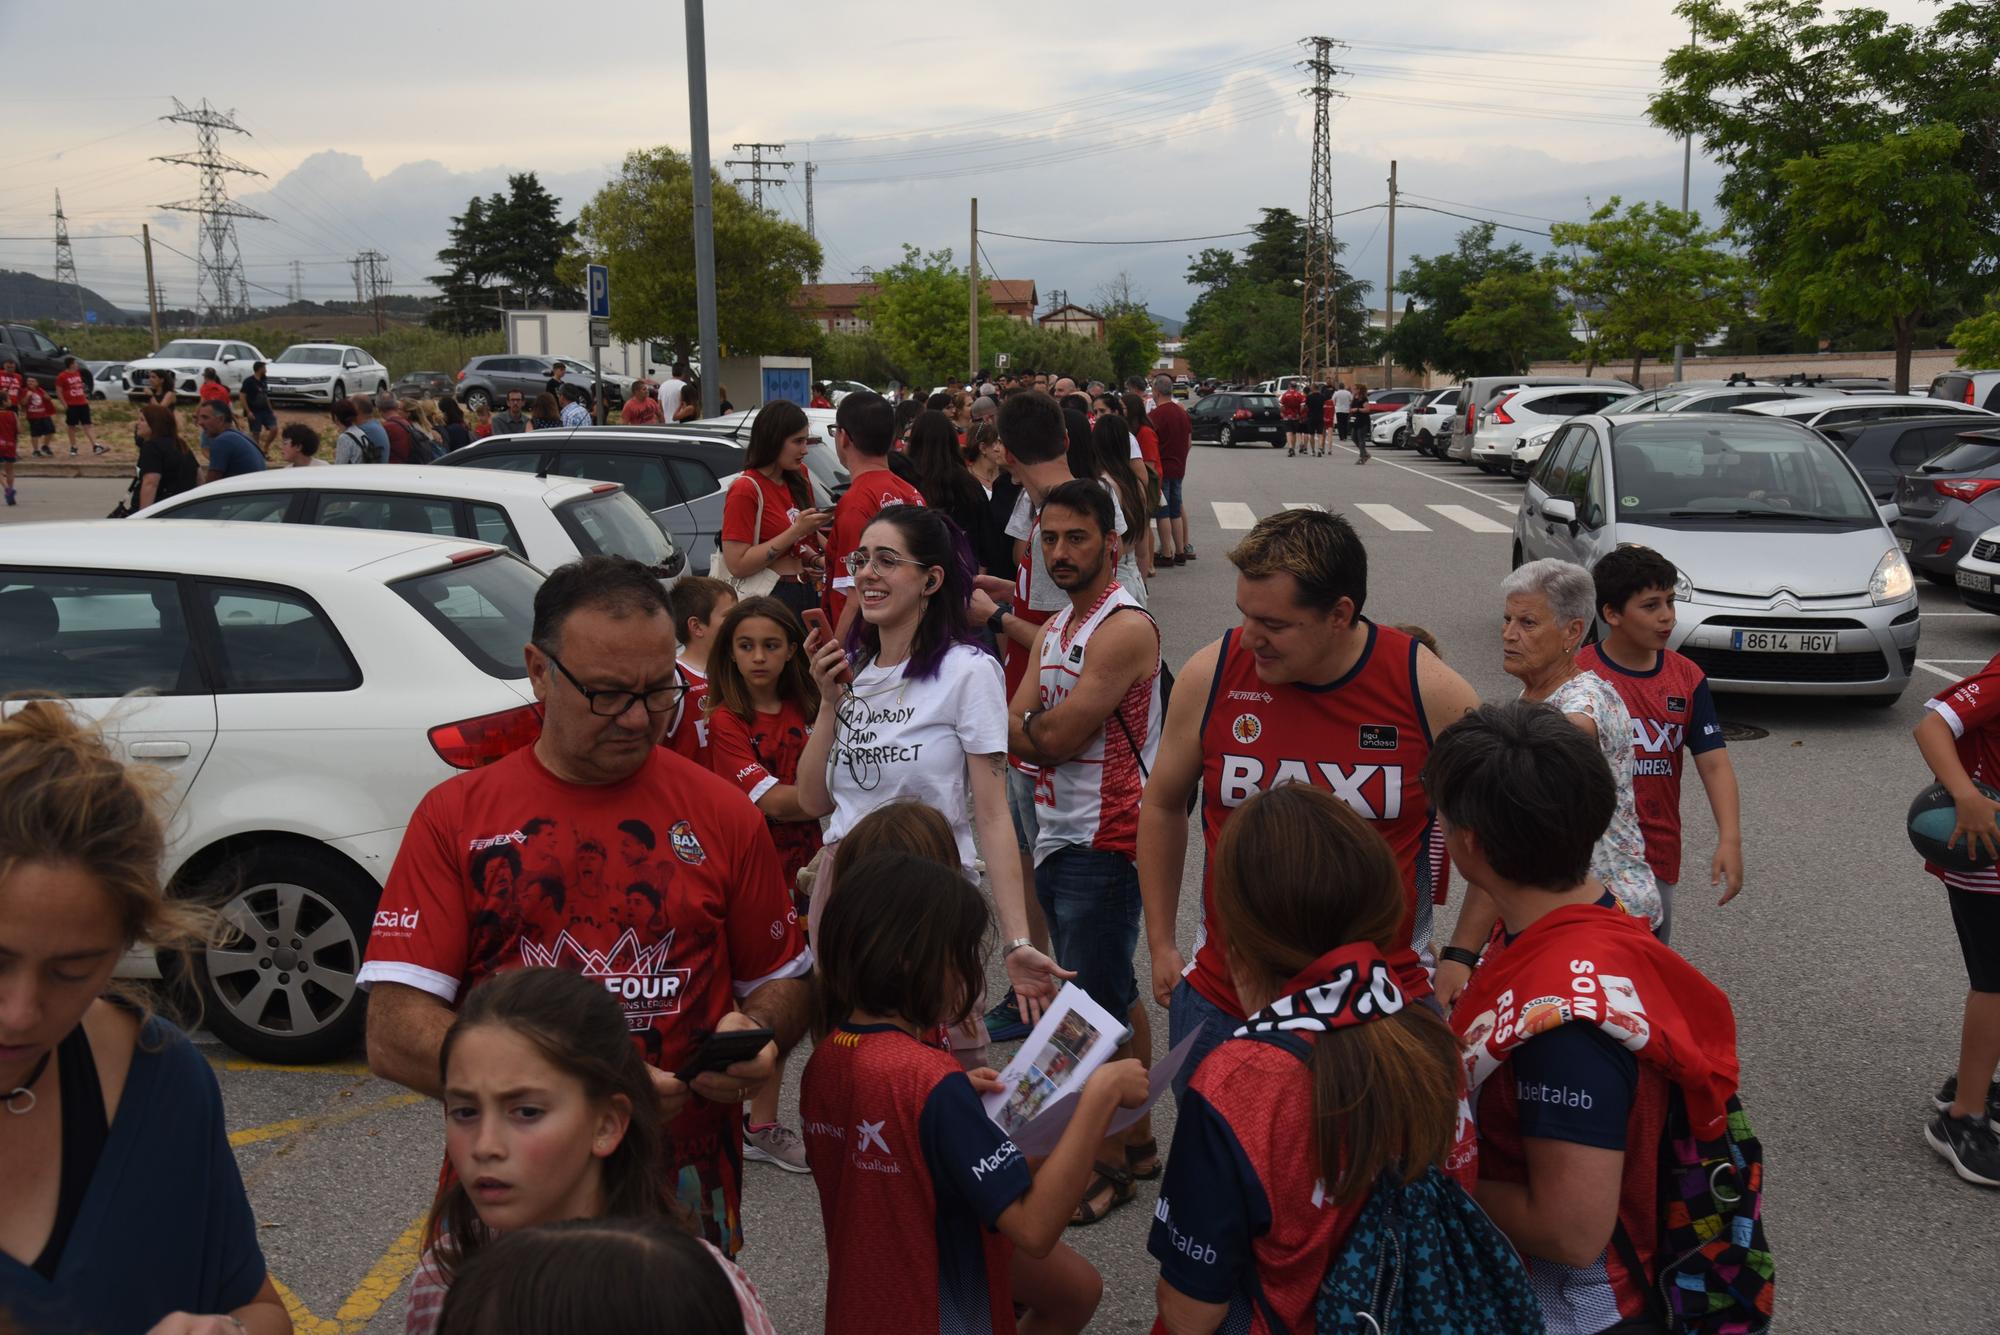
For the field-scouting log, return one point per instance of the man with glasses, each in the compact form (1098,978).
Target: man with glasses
(864,430)
(513,422)
(723,951)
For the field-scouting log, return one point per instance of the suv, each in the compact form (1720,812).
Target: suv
(1475,398)
(322,372)
(1517,412)
(1234,417)
(1978,389)
(486,381)
(35,355)
(1844,409)
(300,691)
(1883,451)
(422,385)
(1430,417)
(186,358)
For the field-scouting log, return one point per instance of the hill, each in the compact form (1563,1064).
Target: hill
(26,296)
(1168,328)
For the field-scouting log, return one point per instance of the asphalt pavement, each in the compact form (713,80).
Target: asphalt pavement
(1839,957)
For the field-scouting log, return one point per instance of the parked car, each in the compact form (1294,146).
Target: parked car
(33,353)
(1975,575)
(840,389)
(546,521)
(1236,417)
(319,373)
(1947,502)
(1976,389)
(423,384)
(1518,411)
(1476,396)
(486,381)
(1882,451)
(103,376)
(301,690)
(822,459)
(676,476)
(1717,397)
(1842,409)
(186,358)
(1791,581)
(1430,416)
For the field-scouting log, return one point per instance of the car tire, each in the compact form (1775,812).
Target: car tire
(339,390)
(1518,562)
(381,388)
(296,1001)
(1401,440)
(476,399)
(1426,442)
(1226,438)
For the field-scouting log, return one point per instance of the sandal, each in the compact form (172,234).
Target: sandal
(1146,1153)
(1122,1192)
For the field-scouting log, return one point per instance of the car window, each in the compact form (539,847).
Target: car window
(241,351)
(1556,460)
(1921,442)
(42,344)
(527,461)
(1741,472)
(1966,457)
(399,514)
(270,639)
(1585,480)
(486,609)
(1950,387)
(353,358)
(257,507)
(87,636)
(693,480)
(490,524)
(645,476)
(612,524)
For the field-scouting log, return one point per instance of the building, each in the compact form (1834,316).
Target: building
(1074,319)
(836,307)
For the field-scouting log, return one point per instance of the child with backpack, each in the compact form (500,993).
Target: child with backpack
(924,1200)
(1602,1066)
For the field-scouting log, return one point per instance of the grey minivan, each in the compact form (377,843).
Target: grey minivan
(1791,582)
(1475,397)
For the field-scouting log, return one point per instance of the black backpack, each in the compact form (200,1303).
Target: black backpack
(371,453)
(423,446)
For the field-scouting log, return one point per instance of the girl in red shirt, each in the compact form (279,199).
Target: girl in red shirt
(769,526)
(212,388)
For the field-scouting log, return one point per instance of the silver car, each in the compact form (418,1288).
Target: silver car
(1791,582)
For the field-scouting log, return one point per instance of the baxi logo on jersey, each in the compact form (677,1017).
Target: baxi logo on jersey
(635,974)
(1374,791)
(1246,729)
(686,847)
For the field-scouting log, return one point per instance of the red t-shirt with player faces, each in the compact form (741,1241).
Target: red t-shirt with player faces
(664,886)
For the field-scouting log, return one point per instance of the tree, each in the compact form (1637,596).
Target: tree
(1245,323)
(467,306)
(641,224)
(1515,316)
(1978,338)
(1645,279)
(1032,347)
(1130,334)
(514,242)
(1875,230)
(918,315)
(1439,289)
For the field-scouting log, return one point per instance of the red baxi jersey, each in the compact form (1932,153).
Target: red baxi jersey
(758,756)
(664,887)
(1292,405)
(1363,737)
(912,1176)
(1672,713)
(1972,708)
(687,733)
(10,387)
(36,402)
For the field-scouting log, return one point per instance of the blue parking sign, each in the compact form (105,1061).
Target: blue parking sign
(599,284)
(90,317)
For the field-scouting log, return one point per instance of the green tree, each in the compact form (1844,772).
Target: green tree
(467,306)
(1439,290)
(919,318)
(1245,322)
(844,356)
(1131,336)
(505,245)
(1031,347)
(1646,278)
(641,225)
(1876,230)
(1515,316)
(1977,338)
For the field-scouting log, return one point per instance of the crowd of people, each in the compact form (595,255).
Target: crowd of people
(803,801)
(1319,413)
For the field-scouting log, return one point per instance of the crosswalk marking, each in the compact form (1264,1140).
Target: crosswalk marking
(1466,518)
(1305,505)
(1234,515)
(1389,517)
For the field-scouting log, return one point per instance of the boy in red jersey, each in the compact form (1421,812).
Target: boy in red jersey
(699,603)
(1672,712)
(76,405)
(41,414)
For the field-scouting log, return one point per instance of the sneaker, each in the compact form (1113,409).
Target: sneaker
(1948,1095)
(1180,558)
(1004,1023)
(1188,551)
(1968,1145)
(775,1144)
(10,496)
(1290,453)
(100,449)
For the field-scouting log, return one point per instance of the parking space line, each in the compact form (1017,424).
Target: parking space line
(1419,472)
(1233,515)
(382,1282)
(1305,505)
(1465,518)
(293,1126)
(1931,665)
(1389,517)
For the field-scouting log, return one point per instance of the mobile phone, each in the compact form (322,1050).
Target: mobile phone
(816,620)
(721,1051)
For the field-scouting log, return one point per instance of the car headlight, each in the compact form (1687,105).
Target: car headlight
(1683,588)
(1892,580)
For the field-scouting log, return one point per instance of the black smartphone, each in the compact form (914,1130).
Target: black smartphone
(720,1051)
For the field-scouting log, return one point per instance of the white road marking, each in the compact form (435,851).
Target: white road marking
(1465,518)
(1230,515)
(1305,505)
(1929,666)
(1955,614)
(1389,517)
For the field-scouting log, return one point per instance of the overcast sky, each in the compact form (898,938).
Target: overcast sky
(375,122)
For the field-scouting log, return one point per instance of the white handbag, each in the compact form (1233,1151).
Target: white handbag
(749,586)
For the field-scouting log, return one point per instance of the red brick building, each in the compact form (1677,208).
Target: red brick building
(836,307)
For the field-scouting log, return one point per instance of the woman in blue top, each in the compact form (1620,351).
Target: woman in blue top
(120,1205)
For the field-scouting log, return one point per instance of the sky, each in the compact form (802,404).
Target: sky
(1105,121)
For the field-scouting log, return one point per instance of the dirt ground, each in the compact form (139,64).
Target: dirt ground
(112,421)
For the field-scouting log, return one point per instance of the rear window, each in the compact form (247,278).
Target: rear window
(1950,387)
(485,608)
(612,524)
(1965,457)
(1260,401)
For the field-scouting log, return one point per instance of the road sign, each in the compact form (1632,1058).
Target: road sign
(90,317)
(600,333)
(600,290)
(1000,359)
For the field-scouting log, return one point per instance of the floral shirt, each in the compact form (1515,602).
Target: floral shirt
(1620,857)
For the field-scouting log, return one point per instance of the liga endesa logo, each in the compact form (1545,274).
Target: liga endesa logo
(635,974)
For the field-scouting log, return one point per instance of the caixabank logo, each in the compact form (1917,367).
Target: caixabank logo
(637,975)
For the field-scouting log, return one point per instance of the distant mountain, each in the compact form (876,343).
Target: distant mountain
(26,296)
(1168,328)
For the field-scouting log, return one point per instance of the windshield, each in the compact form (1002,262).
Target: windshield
(612,524)
(1667,471)
(183,348)
(1658,401)
(485,608)
(311,356)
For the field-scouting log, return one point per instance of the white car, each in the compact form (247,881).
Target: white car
(822,460)
(1978,573)
(187,358)
(1517,412)
(319,373)
(840,389)
(546,521)
(302,690)
(1839,409)
(1429,416)
(1390,424)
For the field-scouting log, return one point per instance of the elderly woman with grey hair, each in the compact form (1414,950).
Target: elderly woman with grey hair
(1549,606)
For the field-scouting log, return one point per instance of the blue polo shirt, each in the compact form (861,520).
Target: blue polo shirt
(231,453)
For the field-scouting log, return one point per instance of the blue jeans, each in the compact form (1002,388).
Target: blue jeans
(1021,806)
(1188,1012)
(1090,897)
(1170,498)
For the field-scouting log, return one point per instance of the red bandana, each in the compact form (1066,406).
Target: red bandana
(1349,985)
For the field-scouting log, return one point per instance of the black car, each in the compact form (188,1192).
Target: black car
(486,381)
(1233,417)
(423,384)
(35,356)
(1887,449)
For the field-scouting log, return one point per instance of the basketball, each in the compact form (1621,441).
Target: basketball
(1933,816)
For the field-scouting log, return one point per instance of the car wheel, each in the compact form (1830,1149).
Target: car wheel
(1226,438)
(1401,440)
(381,388)
(339,389)
(476,399)
(1518,562)
(1426,442)
(279,985)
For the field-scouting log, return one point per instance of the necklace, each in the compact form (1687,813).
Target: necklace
(26,1089)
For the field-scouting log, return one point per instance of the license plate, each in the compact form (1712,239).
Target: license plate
(1783,641)
(1972,579)
(1904,543)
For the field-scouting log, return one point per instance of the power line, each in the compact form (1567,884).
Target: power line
(219,285)
(756,163)
(1531,231)
(1319,311)
(1485,208)
(66,258)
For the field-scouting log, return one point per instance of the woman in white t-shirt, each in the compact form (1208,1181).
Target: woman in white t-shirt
(920,710)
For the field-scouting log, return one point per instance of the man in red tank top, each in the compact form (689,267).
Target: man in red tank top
(1306,690)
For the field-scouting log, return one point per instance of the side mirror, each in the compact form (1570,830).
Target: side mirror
(1890,512)
(227,359)
(1560,510)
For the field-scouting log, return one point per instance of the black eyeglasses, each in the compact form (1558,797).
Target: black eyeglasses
(610,704)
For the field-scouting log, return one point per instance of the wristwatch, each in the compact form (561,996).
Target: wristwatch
(996,622)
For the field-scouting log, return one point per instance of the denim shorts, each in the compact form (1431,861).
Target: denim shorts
(1090,897)
(1170,498)
(1189,1012)
(1021,806)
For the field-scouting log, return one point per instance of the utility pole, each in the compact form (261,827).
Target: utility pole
(756,163)
(298,282)
(811,230)
(1687,163)
(1319,312)
(220,291)
(66,258)
(704,210)
(1389,284)
(152,290)
(972,291)
(371,268)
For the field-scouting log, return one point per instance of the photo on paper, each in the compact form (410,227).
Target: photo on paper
(1028,1096)
(1072,1039)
